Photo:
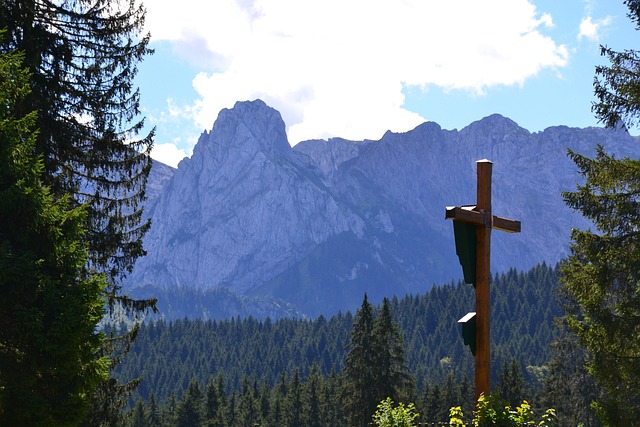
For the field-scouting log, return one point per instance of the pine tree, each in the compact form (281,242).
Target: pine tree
(511,386)
(83,56)
(293,402)
(169,412)
(212,402)
(265,400)
(189,411)
(311,411)
(332,409)
(139,415)
(50,304)
(600,278)
(568,388)
(360,397)
(248,413)
(155,419)
(392,376)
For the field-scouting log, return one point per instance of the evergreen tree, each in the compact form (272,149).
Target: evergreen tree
(265,403)
(293,402)
(189,411)
(231,411)
(392,377)
(311,411)
(82,57)
(248,413)
(435,407)
(360,397)
(170,409)
(139,415)
(332,409)
(155,419)
(601,276)
(50,304)
(511,387)
(569,388)
(212,403)
(450,396)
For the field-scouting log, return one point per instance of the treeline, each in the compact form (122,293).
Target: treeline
(293,401)
(316,401)
(169,355)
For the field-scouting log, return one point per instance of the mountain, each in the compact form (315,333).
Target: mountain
(315,226)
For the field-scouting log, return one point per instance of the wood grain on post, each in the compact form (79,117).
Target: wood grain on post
(483,277)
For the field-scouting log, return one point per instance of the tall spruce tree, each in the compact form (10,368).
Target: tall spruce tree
(392,376)
(568,388)
(311,410)
(50,304)
(602,274)
(189,410)
(82,56)
(511,387)
(375,367)
(360,398)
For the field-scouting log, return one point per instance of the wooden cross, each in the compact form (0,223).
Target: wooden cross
(480,215)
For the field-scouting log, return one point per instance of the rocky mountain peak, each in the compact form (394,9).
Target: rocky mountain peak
(494,124)
(251,125)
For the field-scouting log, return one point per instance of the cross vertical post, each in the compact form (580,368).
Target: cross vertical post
(473,246)
(483,277)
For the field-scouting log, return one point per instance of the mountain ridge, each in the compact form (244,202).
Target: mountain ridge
(320,223)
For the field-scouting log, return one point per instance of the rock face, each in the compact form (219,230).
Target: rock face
(319,224)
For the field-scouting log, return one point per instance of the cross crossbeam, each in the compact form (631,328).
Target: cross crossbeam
(470,214)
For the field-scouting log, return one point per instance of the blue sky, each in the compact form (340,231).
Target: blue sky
(356,68)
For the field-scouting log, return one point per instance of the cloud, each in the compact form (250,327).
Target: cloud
(168,154)
(591,29)
(338,68)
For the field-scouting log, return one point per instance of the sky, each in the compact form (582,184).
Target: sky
(357,68)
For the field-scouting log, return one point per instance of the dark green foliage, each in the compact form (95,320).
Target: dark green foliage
(392,376)
(375,367)
(50,304)
(360,396)
(567,386)
(155,419)
(189,411)
(511,387)
(300,363)
(139,415)
(169,354)
(600,278)
(617,85)
(293,402)
(311,411)
(82,56)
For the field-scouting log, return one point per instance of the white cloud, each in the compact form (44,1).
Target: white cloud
(337,68)
(591,29)
(168,154)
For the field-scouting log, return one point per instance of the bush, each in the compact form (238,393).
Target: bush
(389,416)
(493,412)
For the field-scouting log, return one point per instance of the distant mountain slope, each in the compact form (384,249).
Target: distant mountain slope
(319,224)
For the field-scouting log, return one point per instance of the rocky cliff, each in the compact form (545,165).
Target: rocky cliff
(317,225)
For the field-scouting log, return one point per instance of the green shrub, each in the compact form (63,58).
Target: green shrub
(493,412)
(389,416)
